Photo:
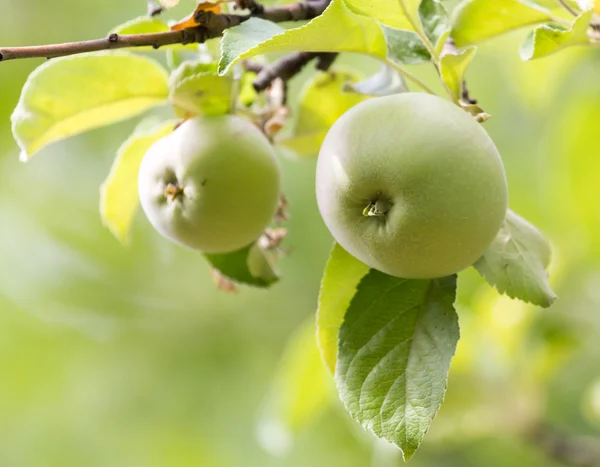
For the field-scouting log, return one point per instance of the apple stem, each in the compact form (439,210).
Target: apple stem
(377,208)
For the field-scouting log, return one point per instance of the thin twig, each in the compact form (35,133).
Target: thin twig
(567,7)
(114,41)
(290,66)
(211,26)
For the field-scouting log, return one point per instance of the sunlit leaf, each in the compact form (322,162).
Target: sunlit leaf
(336,30)
(453,67)
(119,199)
(301,390)
(342,274)
(547,39)
(405,47)
(196,88)
(396,344)
(434,20)
(401,14)
(67,96)
(141,25)
(516,261)
(385,82)
(322,102)
(250,265)
(477,20)
(190,21)
(247,95)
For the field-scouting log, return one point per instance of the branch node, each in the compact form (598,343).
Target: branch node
(113,38)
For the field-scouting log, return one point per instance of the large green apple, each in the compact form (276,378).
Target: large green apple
(411,185)
(212,185)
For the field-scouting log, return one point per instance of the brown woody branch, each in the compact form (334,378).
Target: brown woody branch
(210,26)
(289,66)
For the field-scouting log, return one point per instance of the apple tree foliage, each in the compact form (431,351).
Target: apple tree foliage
(388,342)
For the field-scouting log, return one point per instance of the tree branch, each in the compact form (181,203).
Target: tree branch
(210,26)
(290,66)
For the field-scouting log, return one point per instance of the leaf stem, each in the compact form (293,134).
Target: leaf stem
(407,74)
(567,7)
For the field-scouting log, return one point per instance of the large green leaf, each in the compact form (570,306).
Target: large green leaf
(453,68)
(477,20)
(401,14)
(337,30)
(405,47)
(250,265)
(516,261)
(322,102)
(342,274)
(67,96)
(546,40)
(396,344)
(302,389)
(196,88)
(119,199)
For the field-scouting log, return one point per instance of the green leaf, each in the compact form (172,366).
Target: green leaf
(405,47)
(196,88)
(516,261)
(478,20)
(434,19)
(342,274)
(336,30)
(396,344)
(453,67)
(385,82)
(119,197)
(70,95)
(401,14)
(250,265)
(302,389)
(141,25)
(322,102)
(548,39)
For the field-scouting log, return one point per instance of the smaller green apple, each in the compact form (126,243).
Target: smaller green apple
(211,185)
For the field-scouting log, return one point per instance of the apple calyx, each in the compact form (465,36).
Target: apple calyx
(377,208)
(173,192)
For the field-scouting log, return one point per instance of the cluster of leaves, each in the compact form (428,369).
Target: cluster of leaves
(388,341)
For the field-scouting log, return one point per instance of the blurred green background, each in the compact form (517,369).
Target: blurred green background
(131,357)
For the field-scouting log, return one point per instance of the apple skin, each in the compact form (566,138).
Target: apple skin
(212,185)
(429,173)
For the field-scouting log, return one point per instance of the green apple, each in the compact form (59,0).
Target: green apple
(211,185)
(411,185)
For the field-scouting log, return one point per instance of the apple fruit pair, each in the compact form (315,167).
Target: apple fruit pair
(212,185)
(411,185)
